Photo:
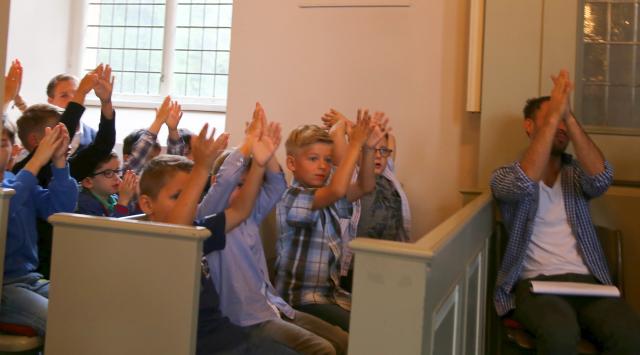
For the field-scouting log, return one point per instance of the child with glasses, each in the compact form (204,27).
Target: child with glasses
(104,192)
(384,213)
(381,214)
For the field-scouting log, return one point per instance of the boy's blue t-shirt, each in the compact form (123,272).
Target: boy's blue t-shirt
(215,331)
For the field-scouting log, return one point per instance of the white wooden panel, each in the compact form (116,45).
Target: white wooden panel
(473,302)
(432,283)
(5,197)
(445,330)
(123,286)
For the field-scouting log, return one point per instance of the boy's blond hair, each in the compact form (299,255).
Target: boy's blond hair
(305,135)
(160,170)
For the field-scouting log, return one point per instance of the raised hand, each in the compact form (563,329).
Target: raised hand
(378,129)
(174,115)
(88,82)
(59,156)
(560,94)
(45,150)
(104,85)
(206,149)
(362,129)
(128,188)
(264,148)
(254,128)
(333,117)
(162,112)
(12,82)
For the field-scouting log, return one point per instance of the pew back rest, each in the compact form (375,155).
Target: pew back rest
(123,286)
(5,197)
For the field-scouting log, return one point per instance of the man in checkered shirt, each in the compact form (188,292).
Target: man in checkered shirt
(543,198)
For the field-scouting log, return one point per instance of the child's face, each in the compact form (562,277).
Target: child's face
(159,208)
(5,151)
(311,166)
(108,180)
(380,158)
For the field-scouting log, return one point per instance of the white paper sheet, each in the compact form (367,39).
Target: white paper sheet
(574,289)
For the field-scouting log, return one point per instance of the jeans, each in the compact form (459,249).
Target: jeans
(25,301)
(558,321)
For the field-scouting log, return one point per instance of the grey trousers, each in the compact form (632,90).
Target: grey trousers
(558,321)
(305,334)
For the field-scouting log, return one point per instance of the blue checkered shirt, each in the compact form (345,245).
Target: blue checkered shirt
(517,197)
(142,147)
(310,249)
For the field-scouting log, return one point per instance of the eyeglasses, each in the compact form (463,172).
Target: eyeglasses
(384,151)
(109,173)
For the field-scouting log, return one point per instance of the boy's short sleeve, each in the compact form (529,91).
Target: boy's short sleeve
(216,224)
(344,208)
(299,204)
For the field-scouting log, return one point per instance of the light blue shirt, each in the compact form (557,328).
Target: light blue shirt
(239,271)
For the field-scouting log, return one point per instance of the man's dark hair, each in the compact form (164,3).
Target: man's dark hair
(131,139)
(51,87)
(533,105)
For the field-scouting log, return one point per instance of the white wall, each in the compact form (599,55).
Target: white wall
(38,36)
(409,62)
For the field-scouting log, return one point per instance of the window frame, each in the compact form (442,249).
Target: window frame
(77,46)
(579,65)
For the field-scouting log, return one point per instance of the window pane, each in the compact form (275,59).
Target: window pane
(193,85)
(117,37)
(207,88)
(221,86)
(136,68)
(209,62)
(595,22)
(201,30)
(128,81)
(619,106)
(622,22)
(129,63)
(210,38)
(224,39)
(142,83)
(593,103)
(225,15)
(179,84)
(222,63)
(622,65)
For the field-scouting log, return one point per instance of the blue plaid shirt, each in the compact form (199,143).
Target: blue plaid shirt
(517,197)
(142,147)
(310,249)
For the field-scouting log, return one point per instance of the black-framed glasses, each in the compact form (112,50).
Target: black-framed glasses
(108,173)
(384,151)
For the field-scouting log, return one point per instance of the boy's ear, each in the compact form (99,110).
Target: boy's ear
(50,100)
(146,204)
(87,183)
(291,162)
(32,140)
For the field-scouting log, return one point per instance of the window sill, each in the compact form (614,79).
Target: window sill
(153,102)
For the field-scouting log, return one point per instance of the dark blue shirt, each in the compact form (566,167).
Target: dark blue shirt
(215,331)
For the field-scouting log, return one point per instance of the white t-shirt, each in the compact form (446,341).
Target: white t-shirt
(553,248)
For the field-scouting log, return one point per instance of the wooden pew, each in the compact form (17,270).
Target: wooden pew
(123,286)
(427,297)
